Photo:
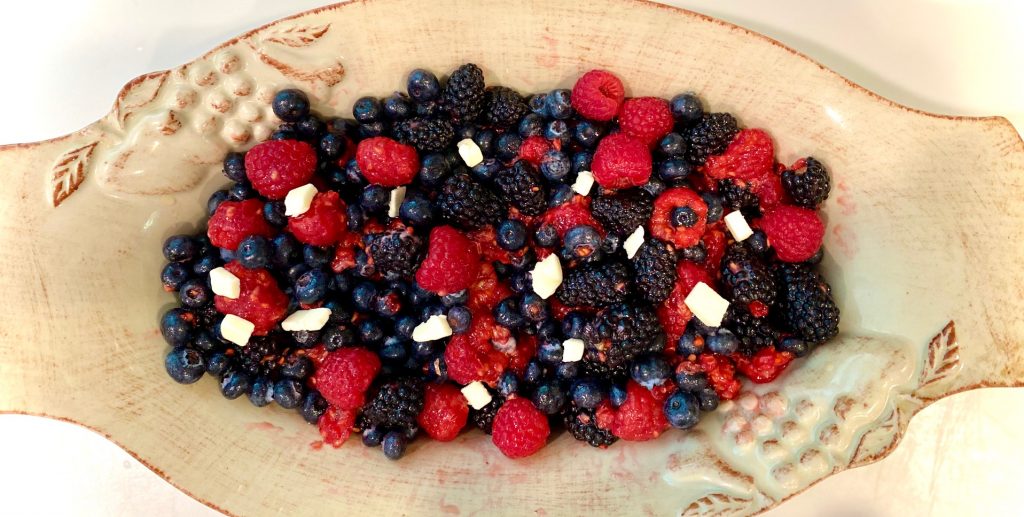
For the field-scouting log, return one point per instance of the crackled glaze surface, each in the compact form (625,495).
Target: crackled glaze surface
(912,258)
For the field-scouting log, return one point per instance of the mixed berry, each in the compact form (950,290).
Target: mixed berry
(460,255)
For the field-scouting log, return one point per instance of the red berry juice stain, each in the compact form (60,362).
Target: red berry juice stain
(845,240)
(550,59)
(263,426)
(847,206)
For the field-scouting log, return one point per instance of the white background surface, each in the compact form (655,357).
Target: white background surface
(64,61)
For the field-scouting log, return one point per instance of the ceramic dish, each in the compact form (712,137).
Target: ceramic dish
(923,226)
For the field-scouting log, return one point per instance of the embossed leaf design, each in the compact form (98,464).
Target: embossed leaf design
(297,35)
(943,361)
(141,91)
(878,441)
(719,505)
(69,172)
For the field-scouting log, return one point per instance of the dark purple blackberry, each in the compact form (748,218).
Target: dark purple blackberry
(622,332)
(259,357)
(463,94)
(710,135)
(737,196)
(504,106)
(483,418)
(808,186)
(746,278)
(395,404)
(753,333)
(427,135)
(621,213)
(805,304)
(522,187)
(596,285)
(467,204)
(654,267)
(582,425)
(396,254)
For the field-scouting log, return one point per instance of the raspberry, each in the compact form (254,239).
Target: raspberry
(598,95)
(714,246)
(646,118)
(487,291)
(463,95)
(661,219)
(236,220)
(621,161)
(522,187)
(344,376)
(673,312)
(470,356)
(710,135)
(324,223)
(336,425)
(750,155)
(260,300)
(622,212)
(504,106)
(795,233)
(654,268)
(596,285)
(427,135)
(520,429)
(640,417)
(721,375)
(533,149)
(275,167)
(386,162)
(444,413)
(769,191)
(452,262)
(807,182)
(765,366)
(569,215)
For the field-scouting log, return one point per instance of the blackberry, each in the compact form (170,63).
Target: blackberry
(582,425)
(395,254)
(468,204)
(504,106)
(395,405)
(808,186)
(522,187)
(655,268)
(622,332)
(593,367)
(806,304)
(463,95)
(737,196)
(746,277)
(621,213)
(753,333)
(483,418)
(710,135)
(596,285)
(427,135)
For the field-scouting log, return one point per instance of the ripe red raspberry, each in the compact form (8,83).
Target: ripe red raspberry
(236,220)
(721,375)
(714,245)
(769,191)
(571,214)
(487,291)
(336,425)
(750,155)
(661,219)
(526,349)
(764,366)
(470,356)
(646,118)
(452,262)
(794,233)
(640,417)
(621,161)
(519,429)
(259,300)
(533,148)
(598,95)
(324,223)
(444,413)
(673,312)
(344,376)
(386,162)
(276,166)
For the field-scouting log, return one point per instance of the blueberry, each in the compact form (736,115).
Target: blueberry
(560,195)
(617,395)
(375,199)
(356,217)
(708,399)
(423,350)
(549,329)
(370,332)
(305,338)
(581,161)
(217,364)
(650,371)
(234,166)
(426,310)
(338,336)
(696,253)
(456,298)
(372,436)
(404,326)
(420,296)
(486,140)
(290,105)
(436,369)
(367,110)
(555,165)
(533,373)
(353,174)
(687,108)
(587,133)
(574,324)
(434,169)
(520,282)
(795,346)
(310,127)
(372,129)
(507,314)
(722,342)
(538,104)
(261,391)
(546,236)
(226,255)
(581,242)
(533,308)
(586,393)
(486,169)
(206,342)
(672,145)
(332,146)
(313,406)
(682,410)
(180,248)
(283,250)
(654,187)
(817,257)
(195,293)
(550,351)
(273,213)
(430,109)
(692,382)
(674,170)
(340,312)
(253,252)
(297,367)
(422,85)
(184,365)
(393,445)
(757,242)
(363,296)
(398,107)
(173,275)
(284,133)
(215,200)
(507,146)
(508,384)
(288,393)
(531,125)
(176,326)
(234,384)
(558,131)
(511,235)
(683,216)
(715,208)
(557,104)
(394,349)
(690,343)
(611,243)
(311,286)
(388,303)
(464,132)
(567,371)
(549,398)
(241,191)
